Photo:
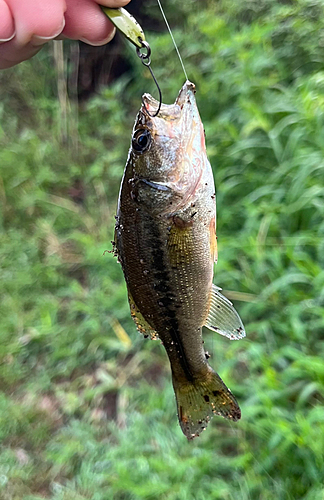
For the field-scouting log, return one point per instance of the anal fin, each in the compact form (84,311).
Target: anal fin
(142,325)
(222,317)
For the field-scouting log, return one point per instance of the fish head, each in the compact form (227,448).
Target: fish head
(168,153)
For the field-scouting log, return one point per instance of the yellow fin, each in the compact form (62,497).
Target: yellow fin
(180,243)
(198,401)
(142,325)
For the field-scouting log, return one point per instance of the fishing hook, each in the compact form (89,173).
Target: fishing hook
(145,57)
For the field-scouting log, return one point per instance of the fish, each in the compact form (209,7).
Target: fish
(165,240)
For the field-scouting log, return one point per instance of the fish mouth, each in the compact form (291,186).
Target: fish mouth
(186,94)
(185,97)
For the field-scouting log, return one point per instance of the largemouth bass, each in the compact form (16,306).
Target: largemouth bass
(166,243)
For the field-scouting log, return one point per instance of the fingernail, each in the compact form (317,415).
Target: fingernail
(2,40)
(40,40)
(101,42)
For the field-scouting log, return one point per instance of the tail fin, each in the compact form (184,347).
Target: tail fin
(198,401)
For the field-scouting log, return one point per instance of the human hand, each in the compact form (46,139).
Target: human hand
(26,25)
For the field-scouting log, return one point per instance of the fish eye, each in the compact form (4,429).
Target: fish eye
(141,140)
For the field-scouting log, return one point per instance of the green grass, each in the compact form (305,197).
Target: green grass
(87,408)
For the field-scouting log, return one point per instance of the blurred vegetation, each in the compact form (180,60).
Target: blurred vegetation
(86,406)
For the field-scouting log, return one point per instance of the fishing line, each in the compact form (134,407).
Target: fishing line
(173,40)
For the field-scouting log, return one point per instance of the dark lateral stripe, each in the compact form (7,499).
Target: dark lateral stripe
(162,285)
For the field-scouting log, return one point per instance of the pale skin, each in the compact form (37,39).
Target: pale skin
(27,25)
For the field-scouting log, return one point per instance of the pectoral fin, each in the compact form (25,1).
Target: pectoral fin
(142,325)
(181,247)
(222,317)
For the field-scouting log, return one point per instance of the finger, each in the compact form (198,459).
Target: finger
(12,53)
(37,21)
(113,3)
(84,20)
(7,27)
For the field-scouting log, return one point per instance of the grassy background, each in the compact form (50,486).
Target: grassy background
(86,406)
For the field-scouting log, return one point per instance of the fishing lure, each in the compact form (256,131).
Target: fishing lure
(132,30)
